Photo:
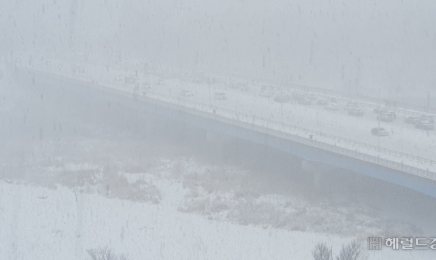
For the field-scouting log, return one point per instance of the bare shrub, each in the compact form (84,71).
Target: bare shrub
(104,253)
(299,227)
(117,185)
(352,251)
(178,170)
(218,206)
(322,252)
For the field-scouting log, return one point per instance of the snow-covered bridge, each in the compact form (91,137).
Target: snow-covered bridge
(405,158)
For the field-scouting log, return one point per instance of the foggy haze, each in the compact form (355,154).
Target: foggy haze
(345,45)
(231,129)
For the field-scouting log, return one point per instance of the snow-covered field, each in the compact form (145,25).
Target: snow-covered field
(101,194)
(70,191)
(170,213)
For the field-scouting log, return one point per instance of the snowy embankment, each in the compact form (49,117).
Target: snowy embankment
(176,209)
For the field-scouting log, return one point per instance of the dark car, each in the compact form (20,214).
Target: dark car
(267,94)
(305,101)
(351,105)
(220,96)
(312,96)
(129,80)
(426,118)
(356,111)
(385,118)
(380,110)
(379,131)
(282,98)
(331,106)
(297,95)
(322,102)
(267,91)
(425,125)
(391,114)
(412,120)
(333,100)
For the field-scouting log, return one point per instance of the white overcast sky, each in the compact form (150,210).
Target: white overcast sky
(345,43)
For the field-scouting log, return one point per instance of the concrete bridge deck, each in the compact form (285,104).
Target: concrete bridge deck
(386,164)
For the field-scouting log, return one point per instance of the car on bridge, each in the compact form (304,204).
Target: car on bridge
(305,101)
(385,118)
(267,91)
(332,106)
(392,114)
(186,93)
(380,110)
(220,96)
(322,102)
(243,86)
(356,111)
(129,80)
(379,131)
(351,105)
(145,89)
(92,81)
(412,120)
(333,99)
(267,94)
(297,95)
(282,98)
(119,78)
(312,96)
(431,119)
(425,125)
(79,69)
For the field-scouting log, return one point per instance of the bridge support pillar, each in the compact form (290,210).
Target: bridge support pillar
(317,180)
(316,172)
(219,145)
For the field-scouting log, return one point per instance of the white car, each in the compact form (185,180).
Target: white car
(186,93)
(220,96)
(129,80)
(145,88)
(331,106)
(379,131)
(119,78)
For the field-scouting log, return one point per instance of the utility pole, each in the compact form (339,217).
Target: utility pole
(378,119)
(208,84)
(73,17)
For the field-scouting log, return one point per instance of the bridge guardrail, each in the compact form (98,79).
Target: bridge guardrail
(309,131)
(285,131)
(396,104)
(328,147)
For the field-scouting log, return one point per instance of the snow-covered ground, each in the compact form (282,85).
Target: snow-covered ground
(70,191)
(178,209)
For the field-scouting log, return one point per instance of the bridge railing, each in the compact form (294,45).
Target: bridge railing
(242,116)
(302,135)
(289,131)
